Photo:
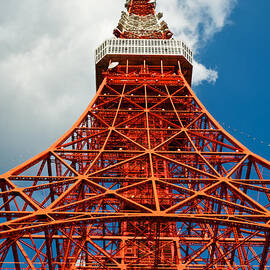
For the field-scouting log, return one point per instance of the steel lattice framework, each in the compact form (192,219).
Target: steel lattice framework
(145,179)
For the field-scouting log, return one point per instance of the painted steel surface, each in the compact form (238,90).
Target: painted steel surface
(145,179)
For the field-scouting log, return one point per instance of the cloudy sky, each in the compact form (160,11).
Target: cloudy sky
(47,65)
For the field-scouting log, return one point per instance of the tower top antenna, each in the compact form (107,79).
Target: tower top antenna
(141,22)
(141,7)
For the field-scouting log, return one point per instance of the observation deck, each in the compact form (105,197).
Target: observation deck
(153,51)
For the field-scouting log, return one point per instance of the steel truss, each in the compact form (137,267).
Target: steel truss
(145,179)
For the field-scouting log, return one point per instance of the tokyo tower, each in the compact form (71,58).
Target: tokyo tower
(145,179)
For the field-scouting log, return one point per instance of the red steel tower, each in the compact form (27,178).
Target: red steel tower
(145,179)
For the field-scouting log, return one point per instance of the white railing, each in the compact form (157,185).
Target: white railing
(143,47)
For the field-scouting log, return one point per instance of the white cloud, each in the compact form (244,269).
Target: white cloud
(196,21)
(47,61)
(201,73)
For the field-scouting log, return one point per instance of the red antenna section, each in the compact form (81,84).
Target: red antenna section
(141,22)
(141,8)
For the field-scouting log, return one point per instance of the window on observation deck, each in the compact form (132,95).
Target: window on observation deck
(158,47)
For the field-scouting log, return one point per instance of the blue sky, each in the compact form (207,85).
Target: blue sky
(240,98)
(47,69)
